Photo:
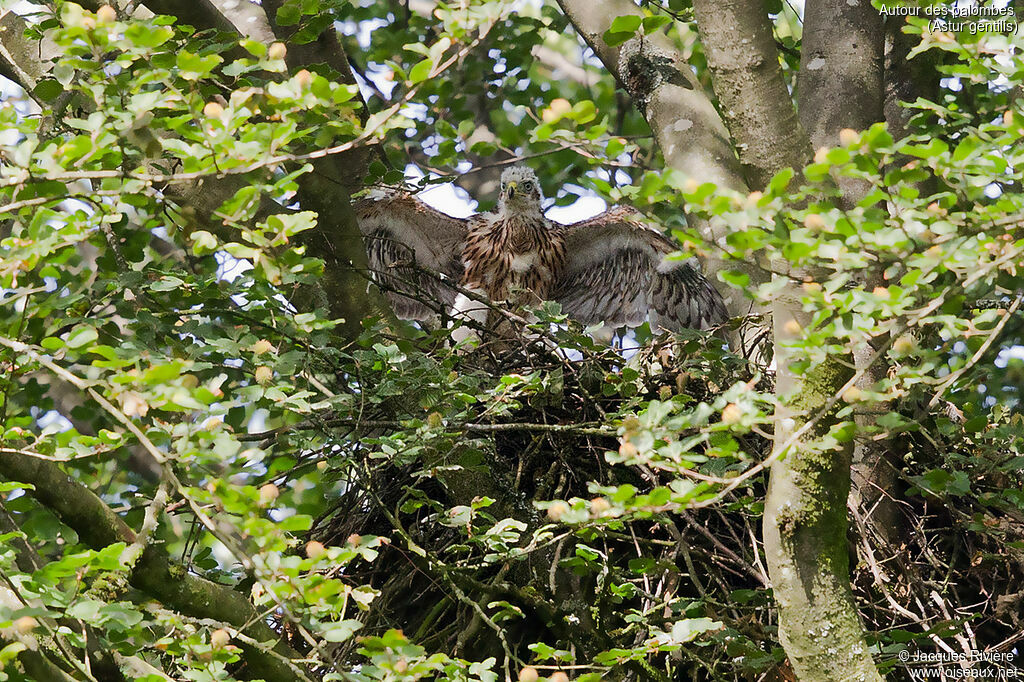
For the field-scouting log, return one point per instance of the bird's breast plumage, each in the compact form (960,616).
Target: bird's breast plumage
(513,255)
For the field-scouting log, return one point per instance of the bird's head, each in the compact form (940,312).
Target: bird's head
(520,190)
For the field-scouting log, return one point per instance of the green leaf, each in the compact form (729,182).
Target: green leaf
(622,29)
(297,523)
(120,616)
(194,67)
(966,147)
(85,609)
(254,47)
(203,242)
(934,148)
(291,224)
(976,424)
(738,279)
(653,23)
(48,89)
(341,631)
(11,651)
(81,336)
(147,36)
(583,111)
(421,70)
(688,630)
(289,13)
(627,23)
(483,149)
(158,374)
(615,39)
(780,181)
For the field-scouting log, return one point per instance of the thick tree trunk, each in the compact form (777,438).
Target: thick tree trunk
(840,81)
(805,536)
(805,520)
(875,477)
(686,126)
(751,90)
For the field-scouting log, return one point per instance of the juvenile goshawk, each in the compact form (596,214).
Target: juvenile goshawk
(610,268)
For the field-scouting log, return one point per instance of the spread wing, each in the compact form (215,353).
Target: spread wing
(616,273)
(406,243)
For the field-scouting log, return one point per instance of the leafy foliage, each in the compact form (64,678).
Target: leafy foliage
(393,511)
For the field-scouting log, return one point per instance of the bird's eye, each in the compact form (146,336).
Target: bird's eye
(528,185)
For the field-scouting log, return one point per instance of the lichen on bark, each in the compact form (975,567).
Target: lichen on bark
(805,534)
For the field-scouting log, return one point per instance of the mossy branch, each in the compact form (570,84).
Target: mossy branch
(98,526)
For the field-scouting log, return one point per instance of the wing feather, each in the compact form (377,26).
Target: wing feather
(616,272)
(406,242)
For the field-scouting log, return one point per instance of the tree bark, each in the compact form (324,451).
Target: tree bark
(751,90)
(327,190)
(22,60)
(840,84)
(875,476)
(686,126)
(98,526)
(805,519)
(805,536)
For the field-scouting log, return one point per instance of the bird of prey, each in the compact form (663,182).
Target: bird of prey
(609,269)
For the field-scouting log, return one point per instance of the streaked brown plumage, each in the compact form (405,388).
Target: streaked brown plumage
(401,233)
(610,268)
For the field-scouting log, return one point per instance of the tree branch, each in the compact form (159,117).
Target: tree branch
(691,135)
(98,526)
(202,14)
(23,61)
(248,18)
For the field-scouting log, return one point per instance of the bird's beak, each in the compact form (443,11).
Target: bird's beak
(511,189)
